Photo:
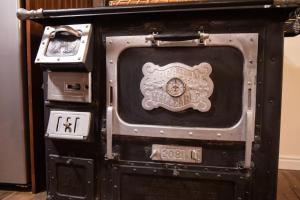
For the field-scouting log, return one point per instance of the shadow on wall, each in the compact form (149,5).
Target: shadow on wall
(290,119)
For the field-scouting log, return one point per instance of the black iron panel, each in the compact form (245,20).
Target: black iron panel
(227,75)
(169,188)
(137,182)
(221,154)
(70,178)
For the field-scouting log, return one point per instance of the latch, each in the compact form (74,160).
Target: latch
(75,86)
(110,155)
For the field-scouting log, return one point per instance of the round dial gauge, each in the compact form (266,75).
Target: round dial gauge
(175,87)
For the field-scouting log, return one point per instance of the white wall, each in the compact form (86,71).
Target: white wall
(290,118)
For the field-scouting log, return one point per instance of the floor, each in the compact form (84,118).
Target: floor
(288,189)
(288,185)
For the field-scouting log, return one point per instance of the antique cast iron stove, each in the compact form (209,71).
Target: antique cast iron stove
(163,102)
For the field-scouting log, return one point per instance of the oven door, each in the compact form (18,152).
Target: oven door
(184,86)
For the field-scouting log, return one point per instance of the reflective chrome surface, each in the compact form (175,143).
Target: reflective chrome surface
(177,87)
(69,125)
(70,87)
(175,153)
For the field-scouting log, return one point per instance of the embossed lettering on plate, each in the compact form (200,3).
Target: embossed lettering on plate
(177,86)
(176,153)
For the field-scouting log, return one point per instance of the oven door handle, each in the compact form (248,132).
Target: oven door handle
(186,39)
(176,37)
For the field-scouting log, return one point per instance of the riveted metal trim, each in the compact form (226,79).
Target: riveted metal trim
(246,43)
(80,57)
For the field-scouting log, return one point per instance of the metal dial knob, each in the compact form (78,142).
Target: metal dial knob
(175,87)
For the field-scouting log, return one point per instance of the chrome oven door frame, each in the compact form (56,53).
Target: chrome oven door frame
(243,130)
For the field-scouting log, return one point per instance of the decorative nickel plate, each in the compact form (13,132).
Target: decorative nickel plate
(177,86)
(176,153)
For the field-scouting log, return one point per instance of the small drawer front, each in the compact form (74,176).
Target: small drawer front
(71,178)
(69,86)
(69,125)
(67,47)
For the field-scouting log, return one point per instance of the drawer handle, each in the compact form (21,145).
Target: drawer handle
(67,29)
(75,86)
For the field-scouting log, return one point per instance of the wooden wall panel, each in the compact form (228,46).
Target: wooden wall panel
(35,93)
(55,4)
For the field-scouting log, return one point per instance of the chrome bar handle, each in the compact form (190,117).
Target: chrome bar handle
(68,29)
(166,40)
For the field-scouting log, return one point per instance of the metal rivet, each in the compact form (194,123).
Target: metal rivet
(43,43)
(161,132)
(115,186)
(127,42)
(58,59)
(86,26)
(134,170)
(48,28)
(250,61)
(190,133)
(110,42)
(135,130)
(251,39)
(111,61)
(230,40)
(219,134)
(79,58)
(38,59)
(154,171)
(249,82)
(82,41)
(110,81)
